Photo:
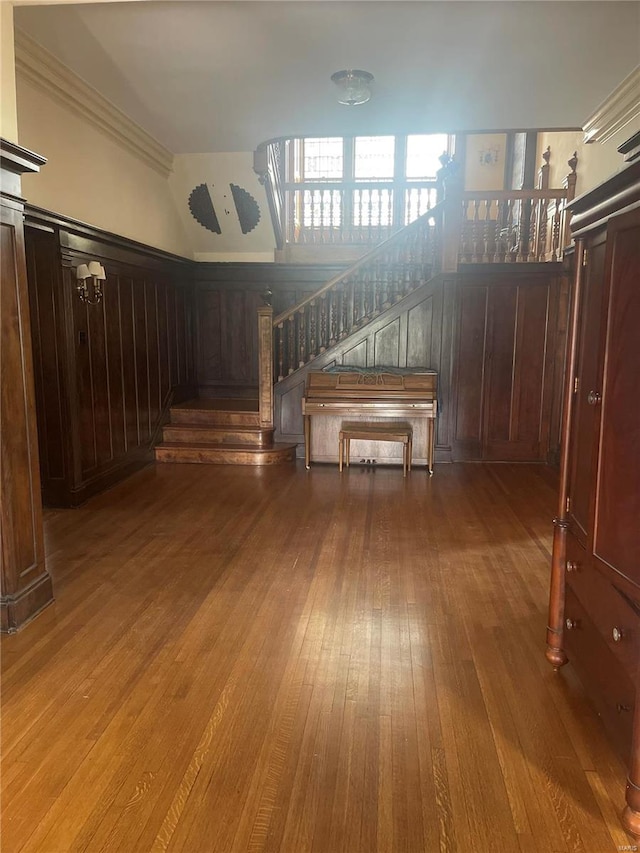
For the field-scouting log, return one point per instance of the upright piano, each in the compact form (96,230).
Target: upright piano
(371,395)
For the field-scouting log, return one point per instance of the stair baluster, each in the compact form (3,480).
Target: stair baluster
(312,329)
(280,344)
(302,343)
(333,317)
(323,323)
(291,347)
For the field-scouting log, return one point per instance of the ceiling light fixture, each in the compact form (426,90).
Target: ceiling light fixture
(354,86)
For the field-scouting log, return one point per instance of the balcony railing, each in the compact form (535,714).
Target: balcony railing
(379,279)
(353,213)
(514,226)
(495,226)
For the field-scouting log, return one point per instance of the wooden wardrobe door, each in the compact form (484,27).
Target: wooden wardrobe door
(585,424)
(617,504)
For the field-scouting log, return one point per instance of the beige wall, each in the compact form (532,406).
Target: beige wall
(217,171)
(91,177)
(8,117)
(596,161)
(484,161)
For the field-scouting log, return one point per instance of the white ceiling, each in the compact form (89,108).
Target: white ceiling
(207,76)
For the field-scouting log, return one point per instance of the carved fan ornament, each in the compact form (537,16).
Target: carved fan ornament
(246,208)
(202,209)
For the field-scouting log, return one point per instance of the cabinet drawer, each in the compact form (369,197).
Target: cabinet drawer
(606,681)
(610,612)
(576,555)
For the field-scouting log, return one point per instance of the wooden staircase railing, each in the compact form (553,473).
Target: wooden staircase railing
(466,227)
(349,300)
(512,226)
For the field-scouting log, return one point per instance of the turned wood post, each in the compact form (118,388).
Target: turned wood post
(452,220)
(631,813)
(555,626)
(569,184)
(25,583)
(265,366)
(543,171)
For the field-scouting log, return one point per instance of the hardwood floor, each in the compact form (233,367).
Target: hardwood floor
(270,659)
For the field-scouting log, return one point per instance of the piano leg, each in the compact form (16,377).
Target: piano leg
(430,444)
(307,442)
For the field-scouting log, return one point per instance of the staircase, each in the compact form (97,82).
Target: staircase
(220,432)
(478,228)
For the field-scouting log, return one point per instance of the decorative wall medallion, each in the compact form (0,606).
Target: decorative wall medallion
(489,156)
(202,209)
(246,208)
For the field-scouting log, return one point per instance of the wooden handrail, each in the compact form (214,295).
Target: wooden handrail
(507,195)
(435,211)
(349,186)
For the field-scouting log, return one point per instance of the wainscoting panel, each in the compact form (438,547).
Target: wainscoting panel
(227,298)
(469,359)
(386,343)
(105,372)
(509,351)
(497,340)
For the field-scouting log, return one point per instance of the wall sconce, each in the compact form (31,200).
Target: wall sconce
(94,271)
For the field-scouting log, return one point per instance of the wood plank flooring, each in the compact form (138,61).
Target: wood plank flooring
(270,659)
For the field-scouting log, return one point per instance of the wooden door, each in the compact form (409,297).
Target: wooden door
(617,501)
(587,387)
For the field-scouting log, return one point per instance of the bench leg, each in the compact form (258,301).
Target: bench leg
(348,442)
(340,452)
(410,451)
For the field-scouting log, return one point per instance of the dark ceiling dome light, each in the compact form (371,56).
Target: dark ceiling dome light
(354,86)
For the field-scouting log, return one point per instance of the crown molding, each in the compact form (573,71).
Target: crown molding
(621,107)
(42,69)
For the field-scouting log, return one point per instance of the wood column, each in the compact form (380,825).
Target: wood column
(25,585)
(265,365)
(556,654)
(452,225)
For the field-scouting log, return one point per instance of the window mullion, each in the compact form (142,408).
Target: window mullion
(348,180)
(399,180)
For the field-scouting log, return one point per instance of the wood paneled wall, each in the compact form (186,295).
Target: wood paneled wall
(496,339)
(227,298)
(170,328)
(106,373)
(510,333)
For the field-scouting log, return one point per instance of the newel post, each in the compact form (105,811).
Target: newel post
(452,219)
(569,184)
(265,366)
(543,171)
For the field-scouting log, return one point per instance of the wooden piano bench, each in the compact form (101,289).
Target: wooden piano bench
(401,432)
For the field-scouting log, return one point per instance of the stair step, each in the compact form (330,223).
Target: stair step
(196,433)
(226,454)
(217,413)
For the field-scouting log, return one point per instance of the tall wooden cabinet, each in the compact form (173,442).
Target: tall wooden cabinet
(25,584)
(594,612)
